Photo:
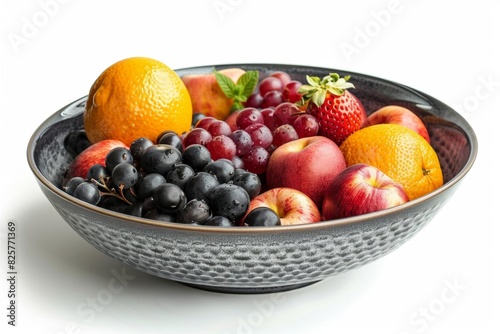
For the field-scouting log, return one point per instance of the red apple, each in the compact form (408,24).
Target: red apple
(307,164)
(206,95)
(94,154)
(292,206)
(360,189)
(397,115)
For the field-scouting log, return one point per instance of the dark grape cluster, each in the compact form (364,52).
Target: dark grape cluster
(208,175)
(167,182)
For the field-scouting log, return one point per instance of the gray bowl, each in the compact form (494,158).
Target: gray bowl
(259,259)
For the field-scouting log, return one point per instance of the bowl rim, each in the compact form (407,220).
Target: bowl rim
(342,222)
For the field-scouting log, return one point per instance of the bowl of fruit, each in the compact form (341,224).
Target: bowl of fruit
(249,178)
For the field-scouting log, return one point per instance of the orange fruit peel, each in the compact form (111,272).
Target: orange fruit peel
(399,152)
(136,97)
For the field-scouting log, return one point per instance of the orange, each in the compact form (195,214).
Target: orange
(400,153)
(136,97)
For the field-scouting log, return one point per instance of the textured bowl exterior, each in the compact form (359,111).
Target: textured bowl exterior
(255,259)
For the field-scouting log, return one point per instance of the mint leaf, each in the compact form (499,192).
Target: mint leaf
(226,84)
(239,91)
(248,82)
(237,105)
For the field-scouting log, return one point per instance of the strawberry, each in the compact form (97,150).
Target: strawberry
(338,111)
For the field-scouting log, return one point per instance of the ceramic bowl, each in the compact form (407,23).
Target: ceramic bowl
(259,259)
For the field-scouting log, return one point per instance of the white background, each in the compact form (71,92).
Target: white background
(444,280)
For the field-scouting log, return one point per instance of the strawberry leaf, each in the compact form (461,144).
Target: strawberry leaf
(305,89)
(317,88)
(319,97)
(313,81)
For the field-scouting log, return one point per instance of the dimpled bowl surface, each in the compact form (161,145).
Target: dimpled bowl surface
(259,259)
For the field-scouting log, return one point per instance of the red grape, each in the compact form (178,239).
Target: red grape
(256,160)
(249,116)
(283,76)
(306,126)
(260,134)
(269,121)
(271,99)
(217,128)
(197,136)
(242,140)
(221,147)
(270,84)
(291,91)
(205,122)
(253,101)
(284,134)
(285,113)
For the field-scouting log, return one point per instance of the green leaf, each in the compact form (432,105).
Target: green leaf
(237,105)
(317,89)
(338,87)
(248,81)
(226,84)
(239,91)
(319,97)
(304,89)
(240,98)
(332,77)
(313,81)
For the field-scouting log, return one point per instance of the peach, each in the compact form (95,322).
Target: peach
(206,95)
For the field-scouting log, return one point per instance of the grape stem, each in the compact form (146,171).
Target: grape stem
(112,192)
